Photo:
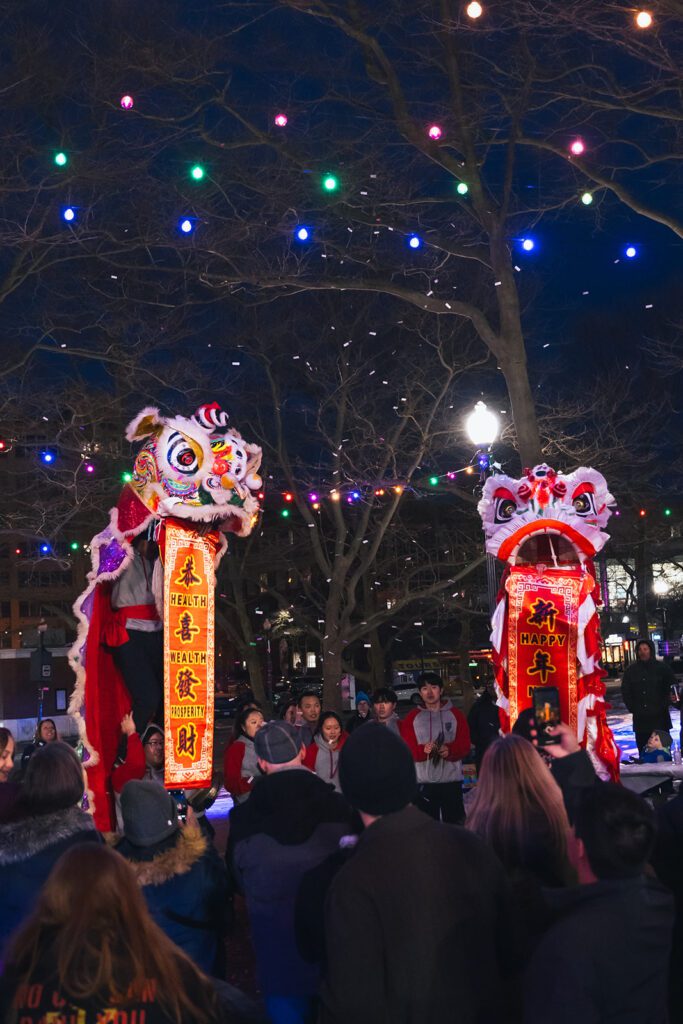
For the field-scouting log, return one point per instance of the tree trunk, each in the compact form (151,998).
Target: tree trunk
(332,673)
(515,371)
(256,682)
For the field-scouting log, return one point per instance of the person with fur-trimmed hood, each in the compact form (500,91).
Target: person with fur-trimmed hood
(46,821)
(438,737)
(182,877)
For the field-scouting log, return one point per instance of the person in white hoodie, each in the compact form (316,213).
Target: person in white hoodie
(438,737)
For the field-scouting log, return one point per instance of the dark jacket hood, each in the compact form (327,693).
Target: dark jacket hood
(156,865)
(288,806)
(27,837)
(645,640)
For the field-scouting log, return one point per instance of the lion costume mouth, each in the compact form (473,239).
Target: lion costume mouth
(546,517)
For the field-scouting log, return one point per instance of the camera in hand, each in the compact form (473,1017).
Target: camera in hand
(546,713)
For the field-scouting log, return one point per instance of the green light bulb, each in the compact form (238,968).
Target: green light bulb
(74,545)
(434,480)
(126,477)
(667,511)
(330,183)
(61,159)
(285,513)
(197,172)
(462,188)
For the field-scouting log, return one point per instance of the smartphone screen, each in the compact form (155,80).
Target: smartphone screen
(546,712)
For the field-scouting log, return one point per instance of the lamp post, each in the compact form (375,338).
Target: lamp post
(483,428)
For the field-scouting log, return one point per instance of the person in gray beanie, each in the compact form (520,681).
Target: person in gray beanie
(418,917)
(292,822)
(182,877)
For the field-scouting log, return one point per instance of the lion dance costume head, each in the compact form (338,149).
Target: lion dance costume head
(548,527)
(194,470)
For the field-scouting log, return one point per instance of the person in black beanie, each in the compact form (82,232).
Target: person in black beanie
(417,919)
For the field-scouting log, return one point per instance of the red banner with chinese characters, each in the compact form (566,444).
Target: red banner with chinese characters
(543,618)
(189,582)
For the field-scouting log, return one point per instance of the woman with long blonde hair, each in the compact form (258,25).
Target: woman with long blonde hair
(91,950)
(518,810)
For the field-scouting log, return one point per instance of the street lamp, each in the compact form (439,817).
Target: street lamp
(483,427)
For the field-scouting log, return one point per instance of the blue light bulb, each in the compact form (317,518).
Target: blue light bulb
(303,233)
(47,457)
(631,252)
(414,242)
(69,214)
(528,244)
(186,226)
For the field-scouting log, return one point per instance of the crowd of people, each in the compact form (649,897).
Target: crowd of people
(374,891)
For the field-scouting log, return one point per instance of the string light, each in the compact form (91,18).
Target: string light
(47,457)
(414,242)
(462,188)
(74,545)
(330,183)
(642,513)
(281,120)
(474,10)
(197,172)
(288,496)
(667,511)
(127,102)
(313,497)
(528,244)
(127,477)
(89,468)
(69,214)
(587,198)
(303,233)
(285,513)
(630,252)
(643,19)
(433,481)
(45,549)
(186,226)
(380,492)
(578,147)
(434,132)
(397,489)
(335,495)
(316,506)
(61,159)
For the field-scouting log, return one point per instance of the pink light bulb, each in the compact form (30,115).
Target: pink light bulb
(281,120)
(435,132)
(127,102)
(577,147)
(90,468)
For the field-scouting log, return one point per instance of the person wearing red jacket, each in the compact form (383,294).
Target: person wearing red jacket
(438,737)
(322,756)
(240,764)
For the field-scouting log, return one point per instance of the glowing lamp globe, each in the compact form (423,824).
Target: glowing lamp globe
(482,426)
(414,242)
(528,244)
(434,132)
(631,252)
(69,214)
(643,19)
(127,102)
(587,198)
(303,234)
(578,147)
(61,159)
(660,587)
(186,226)
(474,10)
(462,188)
(281,120)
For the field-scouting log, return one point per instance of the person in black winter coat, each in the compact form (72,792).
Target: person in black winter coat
(181,875)
(646,691)
(46,821)
(418,922)
(605,958)
(291,822)
(484,722)
(667,859)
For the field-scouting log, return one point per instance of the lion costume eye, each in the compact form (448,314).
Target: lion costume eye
(505,510)
(584,505)
(181,456)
